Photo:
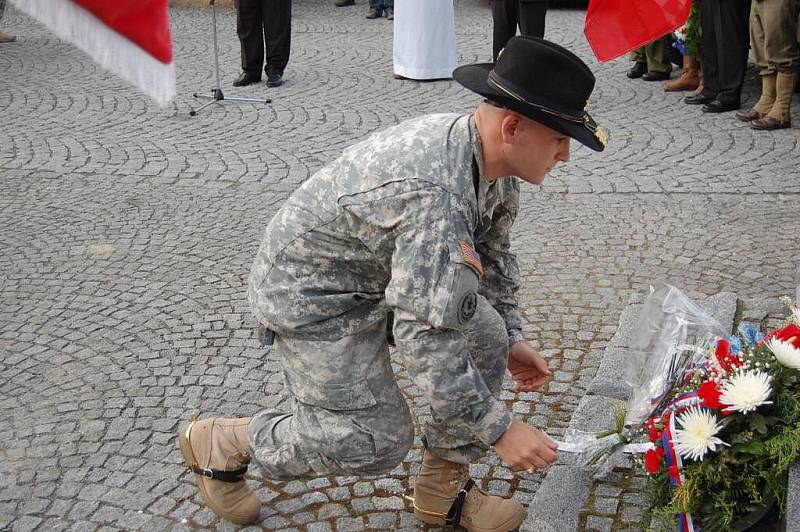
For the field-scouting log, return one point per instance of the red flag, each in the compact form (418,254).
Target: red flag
(130,38)
(614,27)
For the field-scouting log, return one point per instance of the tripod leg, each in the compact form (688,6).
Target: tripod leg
(195,111)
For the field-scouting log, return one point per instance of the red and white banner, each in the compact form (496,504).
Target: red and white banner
(130,38)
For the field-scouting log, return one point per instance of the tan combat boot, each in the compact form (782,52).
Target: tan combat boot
(779,115)
(764,103)
(6,37)
(689,78)
(217,450)
(445,495)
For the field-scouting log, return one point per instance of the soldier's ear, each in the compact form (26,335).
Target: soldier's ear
(509,127)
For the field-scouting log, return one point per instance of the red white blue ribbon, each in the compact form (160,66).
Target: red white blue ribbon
(676,477)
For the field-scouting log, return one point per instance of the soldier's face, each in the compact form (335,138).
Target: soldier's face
(534,149)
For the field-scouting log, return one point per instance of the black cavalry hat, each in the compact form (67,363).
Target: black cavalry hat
(542,81)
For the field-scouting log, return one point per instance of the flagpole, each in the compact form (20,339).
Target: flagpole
(216,93)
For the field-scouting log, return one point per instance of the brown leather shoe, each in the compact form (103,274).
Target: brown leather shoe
(688,81)
(373,13)
(445,495)
(6,37)
(768,124)
(217,450)
(746,115)
(344,3)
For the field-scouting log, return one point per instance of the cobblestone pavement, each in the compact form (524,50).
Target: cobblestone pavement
(127,234)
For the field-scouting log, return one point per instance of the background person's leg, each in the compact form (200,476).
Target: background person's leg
(657,54)
(277,20)
(733,41)
(532,14)
(349,414)
(708,47)
(504,17)
(249,28)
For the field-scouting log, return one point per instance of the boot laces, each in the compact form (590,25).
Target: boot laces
(475,496)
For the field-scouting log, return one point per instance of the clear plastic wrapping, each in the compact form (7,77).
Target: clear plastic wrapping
(672,334)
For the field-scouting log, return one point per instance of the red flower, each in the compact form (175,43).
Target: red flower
(655,434)
(709,393)
(652,461)
(723,355)
(661,452)
(790,334)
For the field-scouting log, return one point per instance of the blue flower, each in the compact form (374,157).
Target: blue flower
(736,345)
(750,333)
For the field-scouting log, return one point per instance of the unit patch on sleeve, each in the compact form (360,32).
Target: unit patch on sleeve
(471,257)
(469,303)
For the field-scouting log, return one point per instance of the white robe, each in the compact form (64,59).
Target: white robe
(424,39)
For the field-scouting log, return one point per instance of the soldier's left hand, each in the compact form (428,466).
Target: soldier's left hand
(527,367)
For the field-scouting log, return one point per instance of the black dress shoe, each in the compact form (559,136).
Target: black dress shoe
(698,99)
(717,106)
(639,69)
(246,79)
(656,76)
(274,80)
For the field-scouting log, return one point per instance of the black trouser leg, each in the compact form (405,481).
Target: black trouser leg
(733,40)
(709,11)
(277,33)
(504,17)
(531,17)
(248,28)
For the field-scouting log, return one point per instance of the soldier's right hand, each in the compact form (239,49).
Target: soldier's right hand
(524,447)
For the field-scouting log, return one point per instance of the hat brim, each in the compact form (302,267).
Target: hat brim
(475,78)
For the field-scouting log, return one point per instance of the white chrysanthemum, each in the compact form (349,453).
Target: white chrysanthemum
(786,353)
(698,433)
(745,391)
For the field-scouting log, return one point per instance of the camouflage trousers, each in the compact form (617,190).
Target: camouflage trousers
(355,420)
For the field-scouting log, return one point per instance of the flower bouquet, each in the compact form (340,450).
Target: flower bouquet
(721,413)
(727,431)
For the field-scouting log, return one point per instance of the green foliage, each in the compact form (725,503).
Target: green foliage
(693,31)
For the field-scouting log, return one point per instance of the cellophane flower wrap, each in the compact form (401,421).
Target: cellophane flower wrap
(727,427)
(670,337)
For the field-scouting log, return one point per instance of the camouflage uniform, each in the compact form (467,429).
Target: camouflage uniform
(395,224)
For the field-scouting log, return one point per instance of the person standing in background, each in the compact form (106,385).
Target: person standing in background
(773,37)
(724,48)
(690,79)
(260,23)
(424,39)
(5,37)
(651,61)
(529,15)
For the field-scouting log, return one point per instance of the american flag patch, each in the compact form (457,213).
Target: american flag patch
(471,256)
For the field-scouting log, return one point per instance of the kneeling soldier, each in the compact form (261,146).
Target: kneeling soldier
(413,222)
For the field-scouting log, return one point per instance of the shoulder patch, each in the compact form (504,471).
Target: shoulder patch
(471,257)
(469,303)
